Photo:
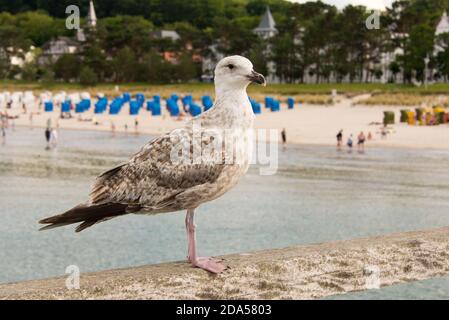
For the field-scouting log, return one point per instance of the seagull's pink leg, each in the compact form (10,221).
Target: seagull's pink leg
(205,263)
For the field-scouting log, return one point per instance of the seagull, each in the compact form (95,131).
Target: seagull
(165,176)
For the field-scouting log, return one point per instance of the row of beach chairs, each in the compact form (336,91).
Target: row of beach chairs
(172,104)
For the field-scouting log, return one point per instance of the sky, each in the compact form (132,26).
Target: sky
(372,4)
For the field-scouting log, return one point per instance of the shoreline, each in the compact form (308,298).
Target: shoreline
(372,144)
(304,125)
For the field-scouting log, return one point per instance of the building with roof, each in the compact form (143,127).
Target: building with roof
(91,23)
(91,16)
(443,25)
(52,50)
(166,34)
(442,28)
(267,26)
(266,30)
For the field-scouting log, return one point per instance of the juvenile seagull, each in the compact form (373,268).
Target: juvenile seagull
(158,179)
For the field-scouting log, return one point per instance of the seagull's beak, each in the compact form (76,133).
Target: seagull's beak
(257,78)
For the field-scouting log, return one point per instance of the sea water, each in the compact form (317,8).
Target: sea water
(318,194)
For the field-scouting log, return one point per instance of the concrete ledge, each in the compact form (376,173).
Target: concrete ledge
(301,272)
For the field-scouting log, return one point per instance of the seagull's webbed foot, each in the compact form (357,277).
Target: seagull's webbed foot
(209,264)
(205,263)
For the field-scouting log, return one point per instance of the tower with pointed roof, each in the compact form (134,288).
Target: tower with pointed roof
(91,22)
(267,26)
(443,25)
(442,28)
(266,30)
(91,16)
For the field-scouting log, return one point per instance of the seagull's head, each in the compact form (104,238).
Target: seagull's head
(236,72)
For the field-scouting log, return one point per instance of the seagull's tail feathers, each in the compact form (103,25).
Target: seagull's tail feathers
(88,215)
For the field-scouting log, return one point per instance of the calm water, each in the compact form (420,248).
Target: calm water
(317,195)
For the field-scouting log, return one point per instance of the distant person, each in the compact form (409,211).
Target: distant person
(31,119)
(361,141)
(339,138)
(53,138)
(350,142)
(47,137)
(370,136)
(24,108)
(136,126)
(3,132)
(284,136)
(126,128)
(383,132)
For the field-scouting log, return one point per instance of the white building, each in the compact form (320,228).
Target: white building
(443,25)
(442,28)
(166,34)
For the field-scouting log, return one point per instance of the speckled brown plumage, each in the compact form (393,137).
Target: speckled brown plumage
(151,182)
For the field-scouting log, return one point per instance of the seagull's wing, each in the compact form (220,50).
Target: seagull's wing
(151,179)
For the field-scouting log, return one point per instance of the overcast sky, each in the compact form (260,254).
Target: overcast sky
(373,4)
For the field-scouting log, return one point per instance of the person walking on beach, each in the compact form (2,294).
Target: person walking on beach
(284,137)
(136,126)
(350,142)
(3,134)
(53,138)
(361,141)
(339,138)
(47,137)
(3,127)
(383,132)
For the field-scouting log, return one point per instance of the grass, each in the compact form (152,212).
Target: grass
(402,99)
(195,89)
(383,94)
(284,89)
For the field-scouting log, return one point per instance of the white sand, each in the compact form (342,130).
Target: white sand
(306,124)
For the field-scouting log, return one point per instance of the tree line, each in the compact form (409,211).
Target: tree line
(314,40)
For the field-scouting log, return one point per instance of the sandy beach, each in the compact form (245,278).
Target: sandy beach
(306,124)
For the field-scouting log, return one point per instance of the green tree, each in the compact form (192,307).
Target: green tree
(418,46)
(67,67)
(186,69)
(39,27)
(88,77)
(13,43)
(126,31)
(124,65)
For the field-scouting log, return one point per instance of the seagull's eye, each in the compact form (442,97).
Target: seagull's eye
(230,66)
